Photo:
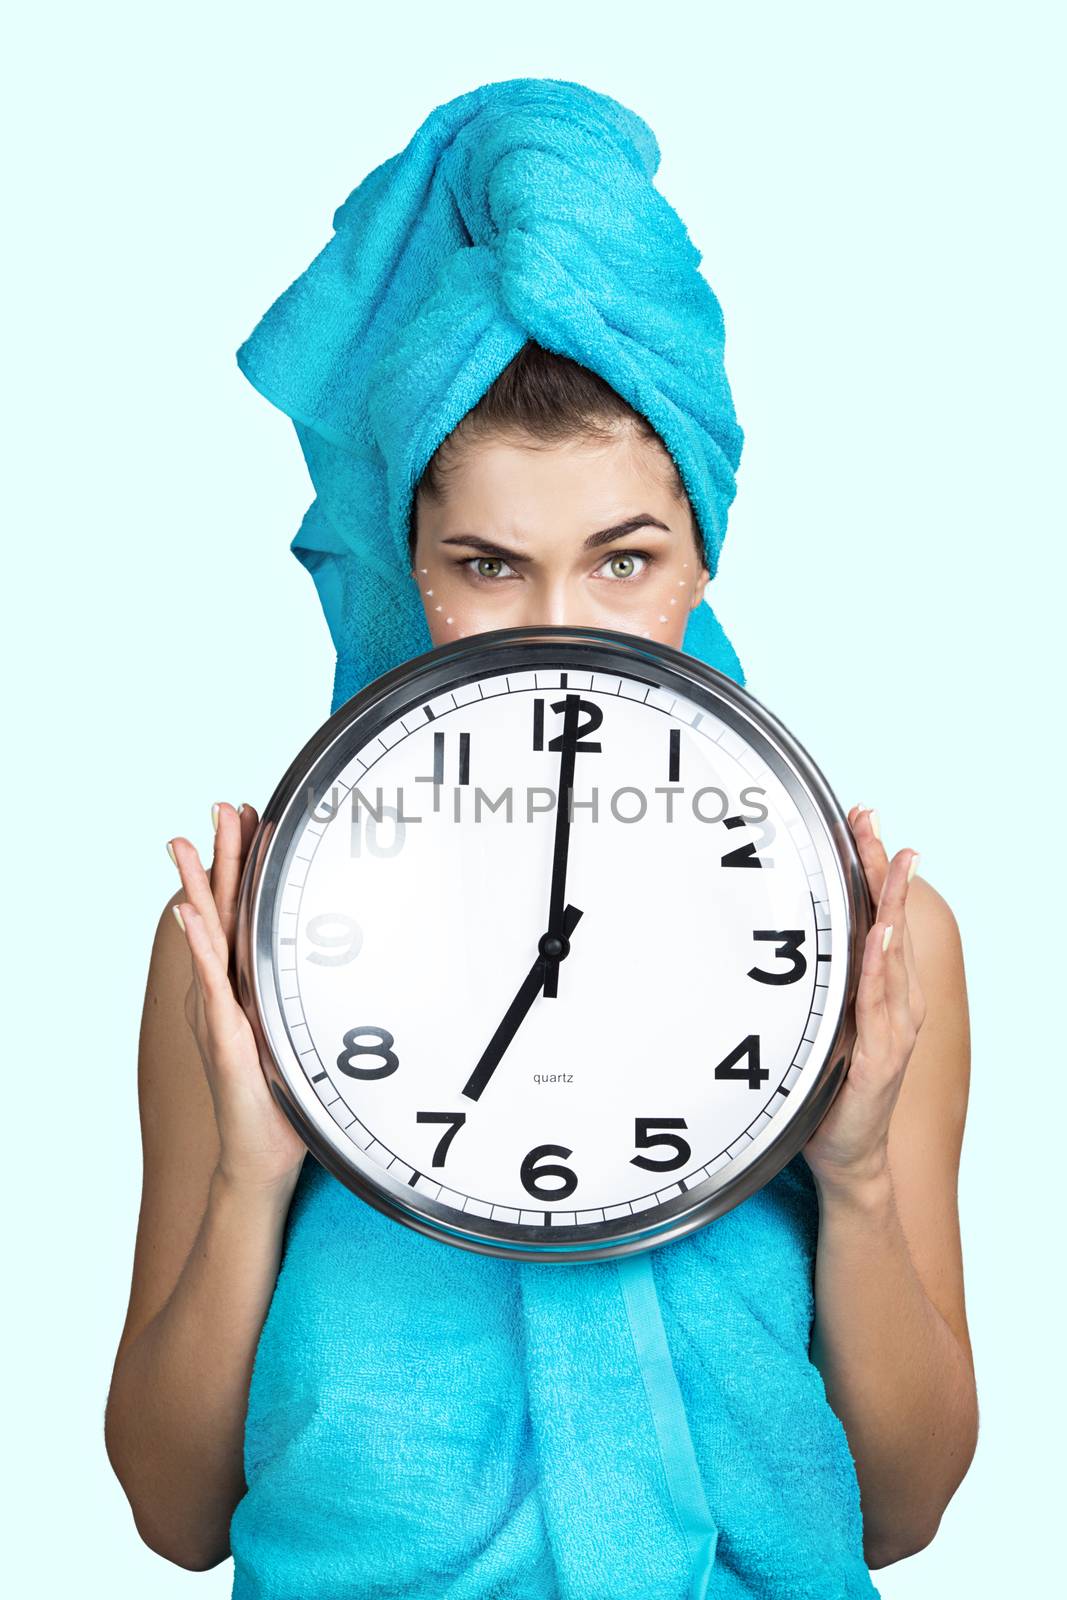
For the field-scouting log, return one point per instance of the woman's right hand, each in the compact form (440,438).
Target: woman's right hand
(259,1148)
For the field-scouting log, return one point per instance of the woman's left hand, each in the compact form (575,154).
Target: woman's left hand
(850,1144)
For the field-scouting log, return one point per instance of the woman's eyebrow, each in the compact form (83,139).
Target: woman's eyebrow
(593,542)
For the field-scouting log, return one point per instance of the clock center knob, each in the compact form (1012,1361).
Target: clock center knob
(553,946)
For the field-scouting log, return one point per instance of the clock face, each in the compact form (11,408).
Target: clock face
(538,1099)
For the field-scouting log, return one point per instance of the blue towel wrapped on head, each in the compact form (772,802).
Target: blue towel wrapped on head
(523,210)
(426,1423)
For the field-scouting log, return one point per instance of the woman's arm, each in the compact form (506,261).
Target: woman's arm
(210,1229)
(890,1335)
(176,1411)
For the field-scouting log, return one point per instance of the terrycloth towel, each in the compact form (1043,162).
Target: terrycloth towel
(524,210)
(426,1423)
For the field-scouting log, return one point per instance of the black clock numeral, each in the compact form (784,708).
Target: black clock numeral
(589,708)
(455,1120)
(345,944)
(463,759)
(792,939)
(752,1071)
(744,856)
(747,854)
(383,1048)
(643,1137)
(532,1175)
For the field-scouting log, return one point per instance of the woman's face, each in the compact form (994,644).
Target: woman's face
(582,534)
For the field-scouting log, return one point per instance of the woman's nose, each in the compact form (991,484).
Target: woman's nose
(555,602)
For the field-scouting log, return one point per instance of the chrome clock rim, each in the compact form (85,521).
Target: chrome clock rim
(408,685)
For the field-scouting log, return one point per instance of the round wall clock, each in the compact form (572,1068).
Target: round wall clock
(550,938)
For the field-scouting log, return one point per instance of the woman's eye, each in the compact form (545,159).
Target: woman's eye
(625,559)
(494,563)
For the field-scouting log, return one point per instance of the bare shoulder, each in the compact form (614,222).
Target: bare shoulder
(927,1127)
(930,917)
(179,1134)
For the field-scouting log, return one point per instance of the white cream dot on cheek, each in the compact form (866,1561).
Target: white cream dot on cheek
(448,619)
(663,619)
(439,608)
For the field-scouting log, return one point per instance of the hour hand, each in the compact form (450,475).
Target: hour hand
(554,947)
(550,949)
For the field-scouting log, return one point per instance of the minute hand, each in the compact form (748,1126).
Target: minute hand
(558,892)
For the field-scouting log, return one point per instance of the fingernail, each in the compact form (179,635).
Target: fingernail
(170,852)
(887,935)
(215,818)
(240,808)
(914,864)
(874,823)
(178,914)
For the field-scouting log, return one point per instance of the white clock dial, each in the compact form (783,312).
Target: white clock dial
(694,1010)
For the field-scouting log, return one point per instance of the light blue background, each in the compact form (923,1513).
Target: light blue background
(875,194)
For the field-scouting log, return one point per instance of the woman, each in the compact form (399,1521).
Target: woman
(845,1290)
